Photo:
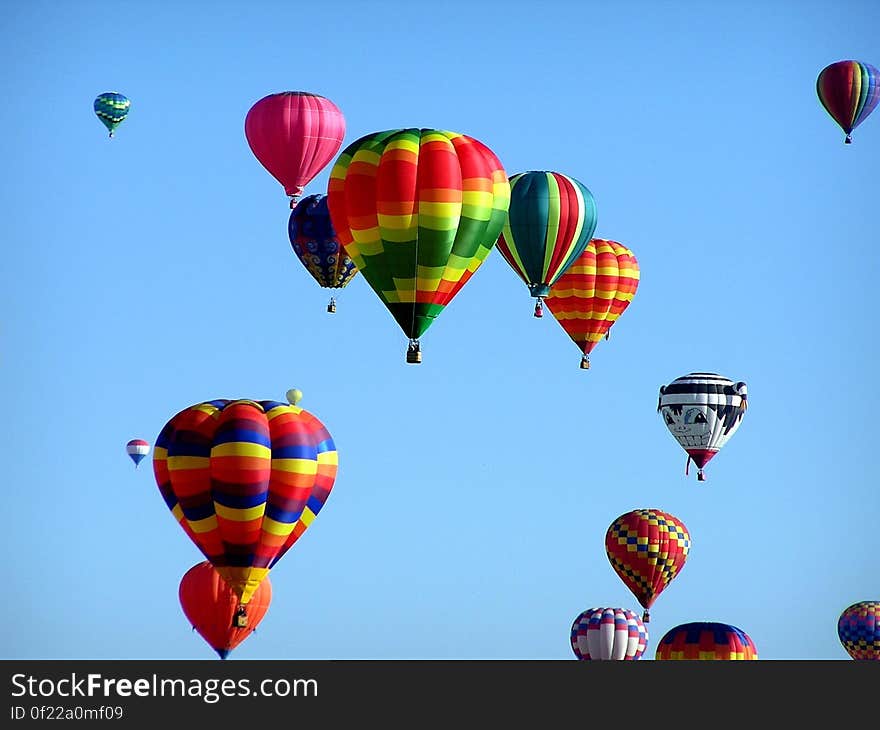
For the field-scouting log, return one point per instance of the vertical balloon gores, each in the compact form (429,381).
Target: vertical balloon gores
(706,640)
(849,91)
(294,135)
(244,479)
(607,634)
(550,221)
(418,210)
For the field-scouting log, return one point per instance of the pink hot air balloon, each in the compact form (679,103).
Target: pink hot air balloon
(294,135)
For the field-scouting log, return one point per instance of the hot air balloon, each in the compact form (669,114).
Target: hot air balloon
(294,135)
(418,210)
(549,223)
(316,245)
(608,633)
(702,411)
(137,449)
(593,292)
(111,108)
(647,548)
(294,396)
(849,91)
(859,630)
(706,640)
(244,479)
(211,606)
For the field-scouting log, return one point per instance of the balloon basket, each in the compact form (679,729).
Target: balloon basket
(240,619)
(585,363)
(700,476)
(331,307)
(413,354)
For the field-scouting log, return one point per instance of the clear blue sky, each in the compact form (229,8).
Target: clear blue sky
(152,271)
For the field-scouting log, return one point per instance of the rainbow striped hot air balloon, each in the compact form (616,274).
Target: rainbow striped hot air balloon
(111,109)
(849,91)
(706,640)
(418,210)
(858,628)
(137,449)
(595,290)
(608,633)
(549,223)
(244,479)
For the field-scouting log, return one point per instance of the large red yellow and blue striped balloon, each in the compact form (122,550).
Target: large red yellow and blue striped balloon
(849,91)
(595,290)
(418,210)
(549,223)
(647,548)
(244,479)
(858,628)
(706,640)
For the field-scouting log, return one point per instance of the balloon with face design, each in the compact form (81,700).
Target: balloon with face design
(702,411)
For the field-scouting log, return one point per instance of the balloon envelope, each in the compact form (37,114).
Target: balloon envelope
(702,411)
(849,91)
(593,292)
(210,605)
(294,135)
(647,548)
(608,633)
(316,244)
(294,396)
(137,449)
(706,640)
(550,221)
(418,210)
(244,479)
(111,109)
(859,630)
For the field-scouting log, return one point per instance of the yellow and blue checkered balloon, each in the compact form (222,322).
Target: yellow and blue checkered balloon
(112,108)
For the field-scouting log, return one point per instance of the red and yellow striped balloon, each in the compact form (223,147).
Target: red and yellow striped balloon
(244,479)
(595,290)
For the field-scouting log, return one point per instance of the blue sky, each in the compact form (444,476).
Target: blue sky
(152,271)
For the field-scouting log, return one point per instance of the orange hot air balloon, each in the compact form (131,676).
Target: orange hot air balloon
(212,607)
(593,292)
(647,549)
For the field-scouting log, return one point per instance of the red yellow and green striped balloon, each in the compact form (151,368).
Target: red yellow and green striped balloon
(418,210)
(595,290)
(244,479)
(549,223)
